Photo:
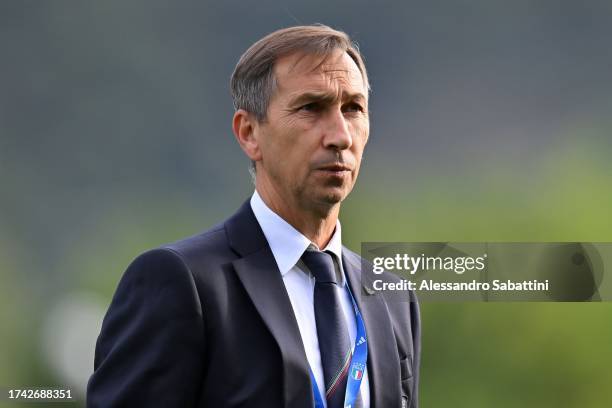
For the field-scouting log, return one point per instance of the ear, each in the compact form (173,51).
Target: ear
(245,126)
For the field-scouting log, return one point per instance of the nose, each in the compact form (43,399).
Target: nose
(336,132)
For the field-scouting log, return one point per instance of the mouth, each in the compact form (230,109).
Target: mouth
(335,169)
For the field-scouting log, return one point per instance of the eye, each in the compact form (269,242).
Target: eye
(310,107)
(352,107)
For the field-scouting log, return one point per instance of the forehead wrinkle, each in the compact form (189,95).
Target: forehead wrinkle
(332,85)
(324,73)
(344,83)
(335,75)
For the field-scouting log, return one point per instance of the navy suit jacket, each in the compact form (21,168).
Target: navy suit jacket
(207,322)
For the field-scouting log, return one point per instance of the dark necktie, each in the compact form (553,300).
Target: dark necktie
(332,332)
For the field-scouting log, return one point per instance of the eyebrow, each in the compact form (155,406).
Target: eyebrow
(324,97)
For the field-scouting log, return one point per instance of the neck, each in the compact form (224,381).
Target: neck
(317,223)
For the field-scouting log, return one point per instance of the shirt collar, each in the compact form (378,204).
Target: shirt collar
(287,243)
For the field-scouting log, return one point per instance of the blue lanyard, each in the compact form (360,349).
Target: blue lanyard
(357,367)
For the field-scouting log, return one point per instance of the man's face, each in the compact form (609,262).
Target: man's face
(315,131)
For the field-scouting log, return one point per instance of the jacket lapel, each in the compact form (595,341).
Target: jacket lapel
(259,274)
(383,371)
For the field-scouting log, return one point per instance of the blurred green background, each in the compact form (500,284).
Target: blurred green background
(490,122)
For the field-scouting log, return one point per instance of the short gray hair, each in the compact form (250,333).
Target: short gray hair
(253,82)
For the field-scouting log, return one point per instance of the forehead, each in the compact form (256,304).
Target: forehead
(302,72)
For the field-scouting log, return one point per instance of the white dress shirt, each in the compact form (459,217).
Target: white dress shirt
(288,245)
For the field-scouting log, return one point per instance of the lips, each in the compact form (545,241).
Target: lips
(336,168)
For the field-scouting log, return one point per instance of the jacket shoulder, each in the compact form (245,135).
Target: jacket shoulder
(207,246)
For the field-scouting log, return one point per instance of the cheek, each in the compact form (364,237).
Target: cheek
(293,136)
(360,127)
(294,156)
(359,143)
(301,144)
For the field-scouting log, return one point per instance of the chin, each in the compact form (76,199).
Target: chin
(334,196)
(332,200)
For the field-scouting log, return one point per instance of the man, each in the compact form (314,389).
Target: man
(267,308)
